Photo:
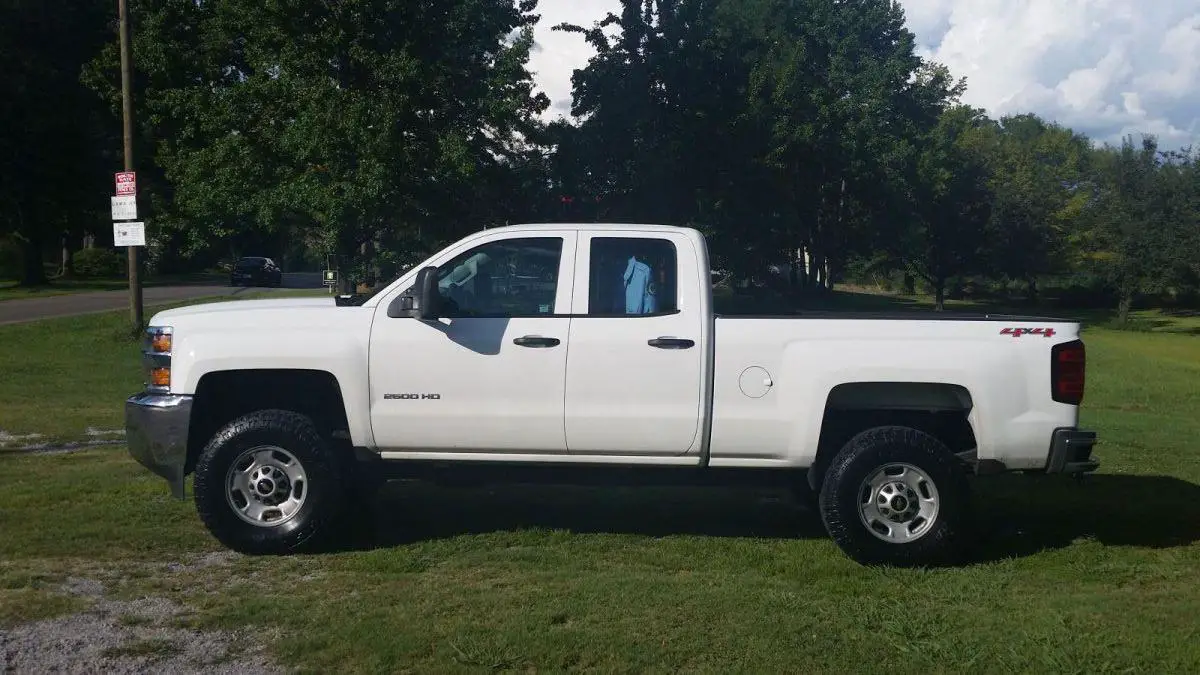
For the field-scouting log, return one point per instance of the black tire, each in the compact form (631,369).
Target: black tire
(945,542)
(325,491)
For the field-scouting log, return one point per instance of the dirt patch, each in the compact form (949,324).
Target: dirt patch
(138,636)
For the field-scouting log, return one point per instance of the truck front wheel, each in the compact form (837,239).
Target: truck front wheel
(268,483)
(897,496)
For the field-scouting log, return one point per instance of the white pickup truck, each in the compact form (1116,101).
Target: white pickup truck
(559,352)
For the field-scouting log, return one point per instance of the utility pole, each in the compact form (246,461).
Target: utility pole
(135,277)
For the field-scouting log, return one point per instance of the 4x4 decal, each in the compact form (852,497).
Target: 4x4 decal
(1018,332)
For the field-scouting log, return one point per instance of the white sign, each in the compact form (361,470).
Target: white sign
(129,234)
(124,208)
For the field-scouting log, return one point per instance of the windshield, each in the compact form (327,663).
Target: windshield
(356,299)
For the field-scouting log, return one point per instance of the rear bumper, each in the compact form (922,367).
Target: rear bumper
(1071,451)
(156,430)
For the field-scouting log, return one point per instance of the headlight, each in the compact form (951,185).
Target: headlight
(156,358)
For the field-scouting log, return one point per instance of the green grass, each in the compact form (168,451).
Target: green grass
(22,605)
(1097,577)
(153,648)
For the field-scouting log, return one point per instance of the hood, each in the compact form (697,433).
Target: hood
(221,306)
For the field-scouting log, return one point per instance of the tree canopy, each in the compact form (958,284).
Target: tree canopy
(806,138)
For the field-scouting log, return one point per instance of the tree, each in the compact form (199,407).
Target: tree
(771,124)
(1040,173)
(52,177)
(952,202)
(1143,220)
(344,123)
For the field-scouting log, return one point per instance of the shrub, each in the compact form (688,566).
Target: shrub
(10,259)
(98,263)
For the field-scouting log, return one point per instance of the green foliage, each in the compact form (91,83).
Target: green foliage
(10,259)
(341,121)
(1040,174)
(951,201)
(772,125)
(98,263)
(52,149)
(1142,227)
(805,136)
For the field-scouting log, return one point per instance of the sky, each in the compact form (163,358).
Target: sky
(1107,68)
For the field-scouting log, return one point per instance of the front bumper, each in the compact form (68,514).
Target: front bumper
(1071,452)
(156,430)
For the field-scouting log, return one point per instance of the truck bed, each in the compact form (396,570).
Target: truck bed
(776,377)
(899,315)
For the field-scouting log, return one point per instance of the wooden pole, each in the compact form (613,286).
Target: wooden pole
(135,278)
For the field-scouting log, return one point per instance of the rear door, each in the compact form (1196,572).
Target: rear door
(635,364)
(488,376)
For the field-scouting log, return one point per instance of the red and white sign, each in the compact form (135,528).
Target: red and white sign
(127,183)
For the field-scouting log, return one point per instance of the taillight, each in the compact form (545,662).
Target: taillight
(1067,365)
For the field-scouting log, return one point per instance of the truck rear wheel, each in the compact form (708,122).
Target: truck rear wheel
(268,483)
(897,496)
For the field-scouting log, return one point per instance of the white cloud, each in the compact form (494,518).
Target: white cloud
(561,53)
(1103,67)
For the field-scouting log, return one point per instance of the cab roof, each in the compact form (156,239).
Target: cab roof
(541,227)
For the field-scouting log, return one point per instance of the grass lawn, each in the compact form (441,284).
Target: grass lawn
(1102,576)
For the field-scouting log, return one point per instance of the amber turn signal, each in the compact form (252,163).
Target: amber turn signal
(160,377)
(161,342)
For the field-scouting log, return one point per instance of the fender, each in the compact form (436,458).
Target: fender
(308,336)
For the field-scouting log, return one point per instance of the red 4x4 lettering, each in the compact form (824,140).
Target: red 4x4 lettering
(1018,332)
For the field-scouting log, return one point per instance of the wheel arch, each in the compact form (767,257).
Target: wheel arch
(941,409)
(224,395)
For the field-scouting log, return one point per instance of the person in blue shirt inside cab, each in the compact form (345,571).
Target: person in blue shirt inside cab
(640,288)
(631,277)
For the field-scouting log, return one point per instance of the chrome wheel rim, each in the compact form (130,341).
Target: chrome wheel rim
(266,486)
(898,503)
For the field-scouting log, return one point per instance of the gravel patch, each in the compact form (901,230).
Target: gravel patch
(138,636)
(94,432)
(212,559)
(16,441)
(36,443)
(59,448)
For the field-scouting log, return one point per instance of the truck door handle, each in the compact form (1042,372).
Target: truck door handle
(536,341)
(671,343)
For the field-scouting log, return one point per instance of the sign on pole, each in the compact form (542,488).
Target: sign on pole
(330,278)
(129,234)
(126,183)
(124,207)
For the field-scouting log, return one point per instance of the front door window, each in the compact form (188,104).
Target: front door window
(505,279)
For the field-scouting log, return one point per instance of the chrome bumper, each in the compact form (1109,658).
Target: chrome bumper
(156,430)
(1071,452)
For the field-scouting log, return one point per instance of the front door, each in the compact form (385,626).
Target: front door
(634,371)
(487,376)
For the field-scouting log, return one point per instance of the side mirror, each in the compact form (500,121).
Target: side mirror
(422,302)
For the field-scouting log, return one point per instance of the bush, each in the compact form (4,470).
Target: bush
(10,259)
(98,263)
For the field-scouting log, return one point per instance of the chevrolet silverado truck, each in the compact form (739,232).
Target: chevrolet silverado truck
(592,352)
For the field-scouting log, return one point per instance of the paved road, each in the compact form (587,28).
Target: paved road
(34,309)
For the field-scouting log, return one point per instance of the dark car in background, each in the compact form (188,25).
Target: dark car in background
(255,271)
